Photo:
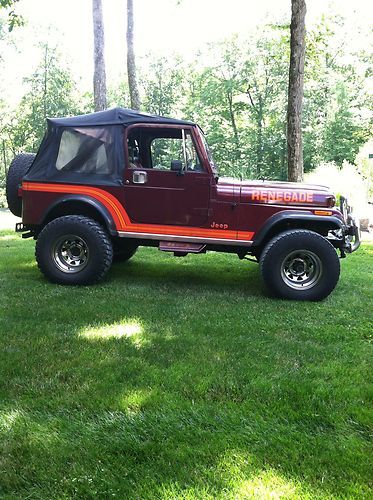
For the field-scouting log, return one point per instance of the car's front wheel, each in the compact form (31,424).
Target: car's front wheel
(74,250)
(300,265)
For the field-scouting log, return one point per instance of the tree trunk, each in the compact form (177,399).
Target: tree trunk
(99,76)
(233,120)
(131,66)
(295,95)
(259,127)
(283,154)
(45,82)
(259,147)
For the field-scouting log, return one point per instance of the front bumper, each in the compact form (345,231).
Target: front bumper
(351,236)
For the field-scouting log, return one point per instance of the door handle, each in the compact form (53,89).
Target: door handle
(139,177)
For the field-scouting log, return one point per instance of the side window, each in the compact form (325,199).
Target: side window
(165,150)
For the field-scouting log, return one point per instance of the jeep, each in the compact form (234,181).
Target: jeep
(105,183)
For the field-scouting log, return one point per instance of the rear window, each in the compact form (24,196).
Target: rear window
(84,150)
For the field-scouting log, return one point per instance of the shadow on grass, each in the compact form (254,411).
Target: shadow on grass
(191,271)
(172,379)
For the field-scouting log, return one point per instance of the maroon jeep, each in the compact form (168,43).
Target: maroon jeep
(103,184)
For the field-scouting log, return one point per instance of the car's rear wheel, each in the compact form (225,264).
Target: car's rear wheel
(74,250)
(17,170)
(300,265)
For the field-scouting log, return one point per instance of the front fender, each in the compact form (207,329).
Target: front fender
(288,219)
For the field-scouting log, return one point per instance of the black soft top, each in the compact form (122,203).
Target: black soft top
(114,116)
(88,149)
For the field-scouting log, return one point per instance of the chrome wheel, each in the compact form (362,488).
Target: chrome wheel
(301,269)
(70,253)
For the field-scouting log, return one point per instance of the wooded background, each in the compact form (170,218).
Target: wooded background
(236,89)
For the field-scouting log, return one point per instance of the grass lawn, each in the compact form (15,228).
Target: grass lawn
(180,378)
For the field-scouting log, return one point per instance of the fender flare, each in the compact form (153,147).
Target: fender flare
(88,201)
(298,217)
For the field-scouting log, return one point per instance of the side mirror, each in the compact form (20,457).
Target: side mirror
(176,166)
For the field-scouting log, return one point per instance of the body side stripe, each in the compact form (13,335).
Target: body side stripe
(122,220)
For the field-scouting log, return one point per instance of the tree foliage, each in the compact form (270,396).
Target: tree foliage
(236,90)
(50,93)
(14,19)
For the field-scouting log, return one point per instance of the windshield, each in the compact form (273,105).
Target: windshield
(209,155)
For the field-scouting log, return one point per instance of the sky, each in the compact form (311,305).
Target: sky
(162,26)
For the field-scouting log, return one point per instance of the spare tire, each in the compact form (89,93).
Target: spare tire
(17,170)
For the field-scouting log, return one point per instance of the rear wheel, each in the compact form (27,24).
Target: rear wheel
(74,250)
(17,170)
(300,265)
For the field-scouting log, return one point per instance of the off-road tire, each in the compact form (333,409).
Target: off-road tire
(74,250)
(17,170)
(123,249)
(300,265)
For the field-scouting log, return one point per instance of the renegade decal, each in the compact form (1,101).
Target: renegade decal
(123,222)
(282,196)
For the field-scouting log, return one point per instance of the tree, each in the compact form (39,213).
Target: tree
(295,92)
(14,19)
(240,101)
(265,88)
(50,94)
(336,95)
(99,76)
(131,65)
(162,82)
(342,134)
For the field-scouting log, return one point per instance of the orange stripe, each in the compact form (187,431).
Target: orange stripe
(123,222)
(109,201)
(245,235)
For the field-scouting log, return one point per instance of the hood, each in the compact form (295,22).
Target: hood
(280,193)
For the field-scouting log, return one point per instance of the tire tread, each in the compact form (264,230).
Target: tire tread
(104,241)
(17,170)
(311,294)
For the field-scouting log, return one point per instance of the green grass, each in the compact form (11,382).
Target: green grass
(180,378)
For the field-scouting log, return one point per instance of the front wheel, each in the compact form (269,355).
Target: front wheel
(74,250)
(300,265)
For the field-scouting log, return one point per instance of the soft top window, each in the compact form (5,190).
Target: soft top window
(84,150)
(79,154)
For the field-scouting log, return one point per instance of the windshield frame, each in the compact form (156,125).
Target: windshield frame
(208,151)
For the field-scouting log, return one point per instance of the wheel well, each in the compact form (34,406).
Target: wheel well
(320,227)
(77,207)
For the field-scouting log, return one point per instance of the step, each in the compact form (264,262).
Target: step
(178,246)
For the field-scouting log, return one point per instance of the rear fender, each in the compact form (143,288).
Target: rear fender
(80,205)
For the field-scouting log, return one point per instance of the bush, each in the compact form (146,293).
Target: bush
(346,181)
(365,166)
(3,203)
